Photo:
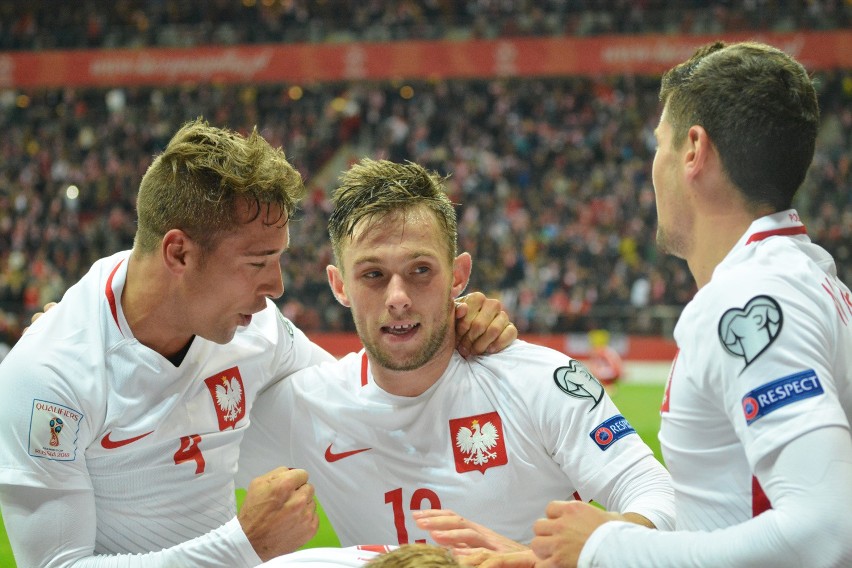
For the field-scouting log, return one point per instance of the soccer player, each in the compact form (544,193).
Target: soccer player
(124,406)
(407,424)
(756,414)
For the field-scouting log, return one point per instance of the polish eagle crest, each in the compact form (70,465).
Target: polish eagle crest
(229,397)
(478,442)
(227,392)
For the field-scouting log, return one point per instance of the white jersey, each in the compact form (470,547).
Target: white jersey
(347,557)
(764,364)
(494,439)
(765,355)
(87,408)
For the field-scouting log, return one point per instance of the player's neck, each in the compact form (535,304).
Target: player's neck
(719,224)
(146,303)
(416,381)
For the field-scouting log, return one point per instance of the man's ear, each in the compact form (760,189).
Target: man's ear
(335,281)
(698,149)
(177,249)
(462,265)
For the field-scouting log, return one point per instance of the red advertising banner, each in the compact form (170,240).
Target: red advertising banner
(306,63)
(632,347)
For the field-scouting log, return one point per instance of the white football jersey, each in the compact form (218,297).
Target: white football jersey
(765,355)
(495,439)
(87,407)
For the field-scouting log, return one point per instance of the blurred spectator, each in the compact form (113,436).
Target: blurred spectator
(48,24)
(552,177)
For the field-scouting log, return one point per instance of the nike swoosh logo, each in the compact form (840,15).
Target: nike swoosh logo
(113,444)
(331,457)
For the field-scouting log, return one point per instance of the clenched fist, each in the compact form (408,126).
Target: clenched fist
(279,513)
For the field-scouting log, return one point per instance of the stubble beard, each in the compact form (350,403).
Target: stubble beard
(669,244)
(391,362)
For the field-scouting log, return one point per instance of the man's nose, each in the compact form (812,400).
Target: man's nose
(397,295)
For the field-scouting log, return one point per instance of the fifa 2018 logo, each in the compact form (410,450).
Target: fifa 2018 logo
(55,428)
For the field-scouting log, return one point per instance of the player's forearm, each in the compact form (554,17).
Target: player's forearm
(643,494)
(226,546)
(60,533)
(807,485)
(638,519)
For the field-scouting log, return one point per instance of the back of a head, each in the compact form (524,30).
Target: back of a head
(194,184)
(373,190)
(415,556)
(759,108)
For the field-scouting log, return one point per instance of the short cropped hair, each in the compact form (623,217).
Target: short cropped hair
(760,110)
(414,556)
(194,184)
(373,189)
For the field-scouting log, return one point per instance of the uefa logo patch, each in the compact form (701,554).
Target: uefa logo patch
(772,396)
(610,431)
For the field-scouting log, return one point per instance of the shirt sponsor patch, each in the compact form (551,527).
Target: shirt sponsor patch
(772,396)
(53,431)
(610,431)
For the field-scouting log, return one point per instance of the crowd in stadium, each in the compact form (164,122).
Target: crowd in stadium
(552,175)
(42,24)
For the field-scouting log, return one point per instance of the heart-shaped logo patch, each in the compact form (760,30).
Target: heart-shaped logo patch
(747,332)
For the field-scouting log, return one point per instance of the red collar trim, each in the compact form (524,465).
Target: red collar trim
(111,296)
(364,369)
(786,232)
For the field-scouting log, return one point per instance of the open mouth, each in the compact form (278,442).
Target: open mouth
(400,329)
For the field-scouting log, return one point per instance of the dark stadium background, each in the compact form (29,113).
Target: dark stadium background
(541,111)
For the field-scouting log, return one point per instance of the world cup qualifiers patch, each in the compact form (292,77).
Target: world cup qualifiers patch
(772,396)
(53,431)
(610,431)
(576,380)
(749,331)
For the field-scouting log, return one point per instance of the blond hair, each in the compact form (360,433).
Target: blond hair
(414,556)
(197,180)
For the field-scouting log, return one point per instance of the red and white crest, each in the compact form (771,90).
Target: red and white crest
(478,442)
(226,389)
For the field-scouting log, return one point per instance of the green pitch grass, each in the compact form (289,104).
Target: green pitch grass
(640,404)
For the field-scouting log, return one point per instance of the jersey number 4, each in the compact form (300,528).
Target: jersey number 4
(394,499)
(189,451)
